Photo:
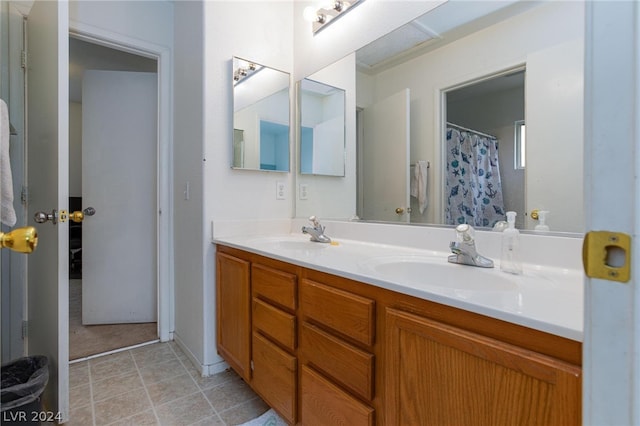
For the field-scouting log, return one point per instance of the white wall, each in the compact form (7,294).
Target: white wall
(261,31)
(497,48)
(150,21)
(190,227)
(334,197)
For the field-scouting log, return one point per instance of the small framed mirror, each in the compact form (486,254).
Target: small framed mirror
(260,117)
(322,129)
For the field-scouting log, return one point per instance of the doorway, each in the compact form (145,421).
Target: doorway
(490,108)
(89,279)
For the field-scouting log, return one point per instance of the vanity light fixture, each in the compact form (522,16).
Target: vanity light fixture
(245,71)
(327,12)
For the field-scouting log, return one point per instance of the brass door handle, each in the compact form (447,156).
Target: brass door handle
(399,210)
(21,240)
(78,216)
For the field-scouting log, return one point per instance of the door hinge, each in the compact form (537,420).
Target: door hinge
(251,365)
(24,195)
(23,59)
(25,329)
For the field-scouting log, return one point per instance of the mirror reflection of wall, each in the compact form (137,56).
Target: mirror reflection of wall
(322,132)
(489,107)
(261,117)
(457,56)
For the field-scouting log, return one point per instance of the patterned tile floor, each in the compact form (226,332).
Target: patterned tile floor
(156,385)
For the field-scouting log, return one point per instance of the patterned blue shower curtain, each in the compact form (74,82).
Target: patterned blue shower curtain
(473,187)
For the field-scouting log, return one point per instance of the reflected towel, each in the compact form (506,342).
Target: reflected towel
(7,212)
(419,184)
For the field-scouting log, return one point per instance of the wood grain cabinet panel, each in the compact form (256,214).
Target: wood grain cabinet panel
(436,374)
(323,403)
(277,324)
(344,312)
(276,286)
(344,363)
(275,377)
(233,306)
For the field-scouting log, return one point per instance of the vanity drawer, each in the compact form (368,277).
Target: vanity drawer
(275,323)
(276,286)
(323,403)
(274,377)
(344,363)
(347,313)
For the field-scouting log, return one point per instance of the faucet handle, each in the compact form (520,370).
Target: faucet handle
(314,221)
(465,232)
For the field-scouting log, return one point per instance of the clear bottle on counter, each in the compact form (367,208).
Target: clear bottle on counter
(510,260)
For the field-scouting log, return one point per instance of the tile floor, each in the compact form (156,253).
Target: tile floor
(156,385)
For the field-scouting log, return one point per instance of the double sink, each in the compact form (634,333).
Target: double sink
(546,298)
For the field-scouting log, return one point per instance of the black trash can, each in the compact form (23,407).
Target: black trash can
(23,381)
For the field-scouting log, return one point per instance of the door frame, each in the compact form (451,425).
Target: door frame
(164,234)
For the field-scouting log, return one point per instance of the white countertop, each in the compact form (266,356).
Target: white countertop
(545,298)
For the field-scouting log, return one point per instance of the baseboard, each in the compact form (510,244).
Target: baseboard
(205,370)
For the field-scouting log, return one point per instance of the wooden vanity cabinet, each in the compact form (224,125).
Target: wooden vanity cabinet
(257,326)
(327,350)
(436,374)
(337,338)
(275,365)
(233,312)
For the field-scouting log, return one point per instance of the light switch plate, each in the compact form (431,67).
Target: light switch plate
(280,191)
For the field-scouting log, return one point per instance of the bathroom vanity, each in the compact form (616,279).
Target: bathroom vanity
(327,345)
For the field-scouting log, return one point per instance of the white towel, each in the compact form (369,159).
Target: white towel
(7,212)
(419,184)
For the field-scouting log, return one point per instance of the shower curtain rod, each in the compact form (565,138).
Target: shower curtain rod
(470,130)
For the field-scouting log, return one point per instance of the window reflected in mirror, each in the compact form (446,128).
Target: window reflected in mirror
(322,129)
(260,117)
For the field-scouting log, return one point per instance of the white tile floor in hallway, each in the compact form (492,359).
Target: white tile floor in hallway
(156,385)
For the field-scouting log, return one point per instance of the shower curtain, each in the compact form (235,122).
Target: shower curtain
(473,187)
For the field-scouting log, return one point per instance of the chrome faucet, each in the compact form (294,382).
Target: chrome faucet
(316,232)
(464,250)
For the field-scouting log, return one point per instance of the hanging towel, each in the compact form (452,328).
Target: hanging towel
(7,212)
(419,184)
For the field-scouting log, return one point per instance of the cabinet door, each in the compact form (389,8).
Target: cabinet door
(275,377)
(233,304)
(436,374)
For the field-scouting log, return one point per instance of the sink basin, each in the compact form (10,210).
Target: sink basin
(288,243)
(425,271)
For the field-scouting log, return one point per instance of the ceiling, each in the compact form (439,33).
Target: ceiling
(446,23)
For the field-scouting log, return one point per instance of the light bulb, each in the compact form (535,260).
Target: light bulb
(310,14)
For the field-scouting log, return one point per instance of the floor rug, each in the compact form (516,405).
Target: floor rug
(270,418)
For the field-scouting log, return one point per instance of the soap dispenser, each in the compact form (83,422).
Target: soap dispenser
(510,260)
(542,226)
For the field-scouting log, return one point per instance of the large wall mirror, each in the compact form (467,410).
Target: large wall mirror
(322,129)
(485,79)
(260,117)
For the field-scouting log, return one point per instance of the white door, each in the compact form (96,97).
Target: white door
(119,156)
(385,177)
(47,158)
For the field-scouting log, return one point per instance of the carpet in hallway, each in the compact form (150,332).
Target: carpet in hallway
(95,339)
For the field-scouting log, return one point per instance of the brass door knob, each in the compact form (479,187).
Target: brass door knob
(399,210)
(21,240)
(78,216)
(534,214)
